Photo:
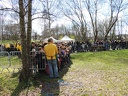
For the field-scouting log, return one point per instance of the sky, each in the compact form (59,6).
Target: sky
(37,23)
(38,26)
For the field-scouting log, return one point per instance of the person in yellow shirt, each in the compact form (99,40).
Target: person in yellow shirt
(18,47)
(7,47)
(51,52)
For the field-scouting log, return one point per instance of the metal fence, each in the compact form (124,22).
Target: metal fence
(37,61)
(4,61)
(11,61)
(15,59)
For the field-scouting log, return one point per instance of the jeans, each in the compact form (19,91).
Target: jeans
(52,64)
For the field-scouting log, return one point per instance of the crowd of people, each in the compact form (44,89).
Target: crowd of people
(52,57)
(99,45)
(10,47)
(76,46)
(48,57)
(55,57)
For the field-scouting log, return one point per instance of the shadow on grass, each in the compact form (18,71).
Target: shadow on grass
(47,86)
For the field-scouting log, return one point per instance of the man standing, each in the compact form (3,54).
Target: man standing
(51,52)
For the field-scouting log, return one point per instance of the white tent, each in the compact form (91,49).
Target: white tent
(66,39)
(46,40)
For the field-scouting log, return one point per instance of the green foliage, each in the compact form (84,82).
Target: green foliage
(60,37)
(71,36)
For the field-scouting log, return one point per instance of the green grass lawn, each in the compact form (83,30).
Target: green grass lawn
(101,73)
(8,41)
(90,74)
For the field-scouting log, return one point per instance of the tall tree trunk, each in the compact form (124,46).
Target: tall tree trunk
(95,22)
(106,36)
(25,40)
(96,35)
(29,29)
(111,25)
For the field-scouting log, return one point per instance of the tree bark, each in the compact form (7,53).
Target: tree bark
(29,31)
(110,27)
(25,40)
